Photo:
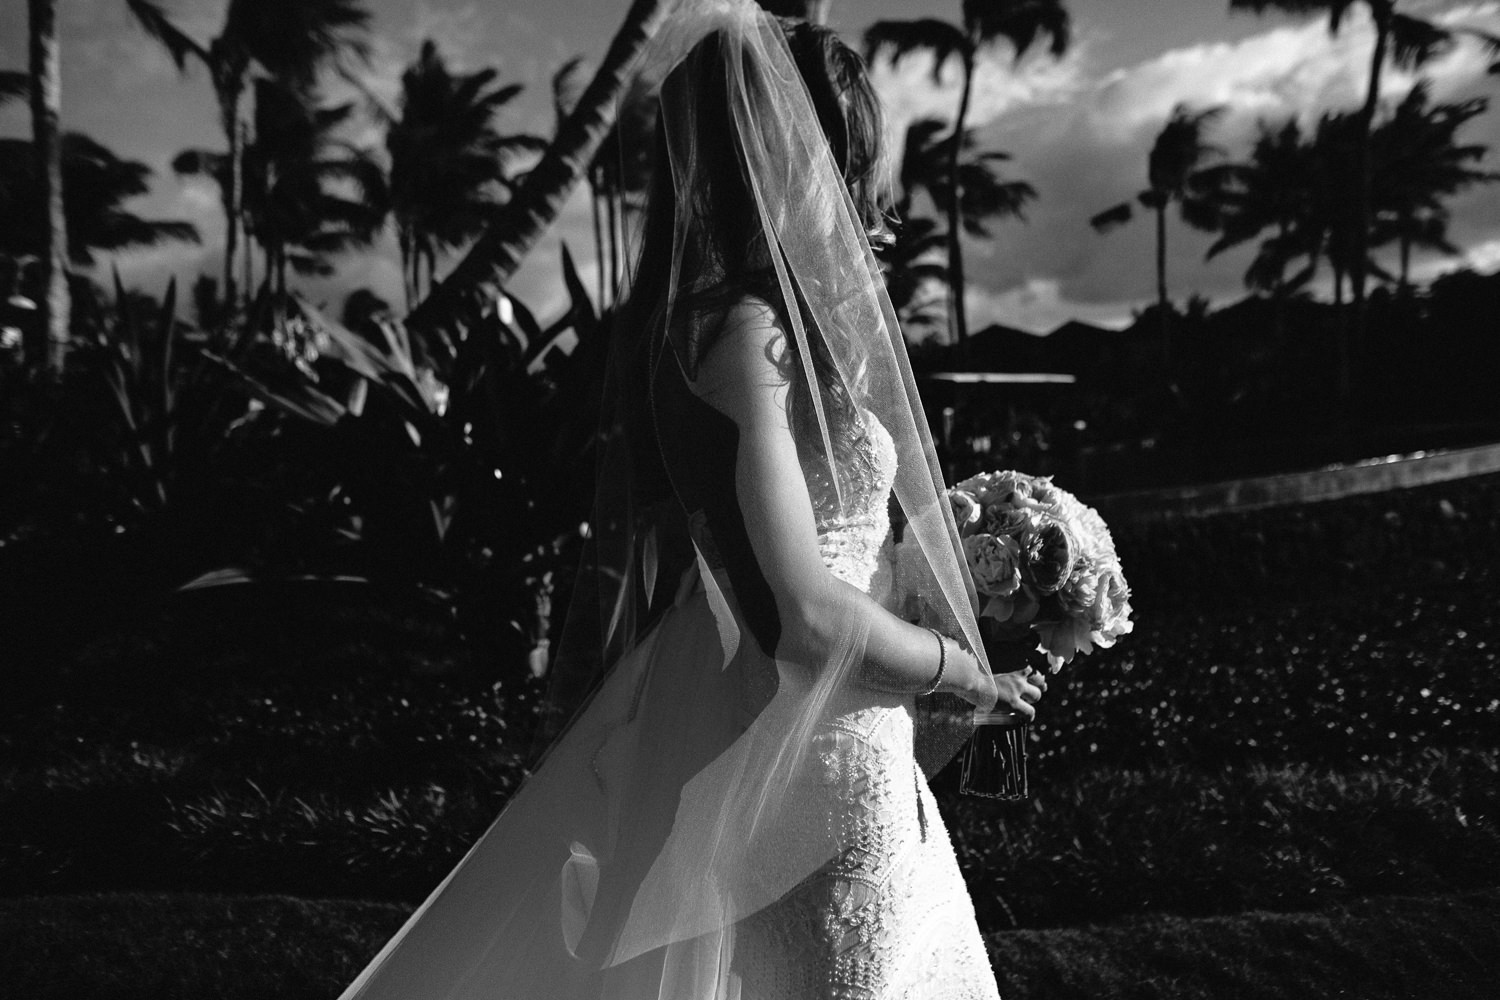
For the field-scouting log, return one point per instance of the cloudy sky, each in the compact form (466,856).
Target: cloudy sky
(1078,128)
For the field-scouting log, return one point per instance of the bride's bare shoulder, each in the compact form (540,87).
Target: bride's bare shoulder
(747,348)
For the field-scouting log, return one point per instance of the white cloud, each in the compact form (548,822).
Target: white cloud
(909,92)
(1482,257)
(1292,70)
(1090,153)
(1039,305)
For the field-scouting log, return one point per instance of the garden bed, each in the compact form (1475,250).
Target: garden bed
(1284,748)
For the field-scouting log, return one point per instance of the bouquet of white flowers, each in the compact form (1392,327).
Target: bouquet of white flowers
(1046,572)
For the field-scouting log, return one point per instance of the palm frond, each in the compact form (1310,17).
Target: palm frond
(1201,212)
(14,86)
(927,34)
(1334,9)
(155,23)
(1492,46)
(494,100)
(293,39)
(1112,218)
(121,231)
(566,87)
(1022,23)
(1416,42)
(986,197)
(1181,147)
(200,163)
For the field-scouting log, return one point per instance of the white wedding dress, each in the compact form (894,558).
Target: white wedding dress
(890,918)
(615,833)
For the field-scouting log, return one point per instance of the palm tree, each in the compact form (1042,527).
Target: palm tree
(1409,42)
(619,173)
(1273,190)
(46,131)
(1492,46)
(1298,187)
(96,183)
(450,166)
(565,90)
(1177,172)
(288,39)
(1418,164)
(307,194)
(912,271)
(476,282)
(1021,23)
(984,197)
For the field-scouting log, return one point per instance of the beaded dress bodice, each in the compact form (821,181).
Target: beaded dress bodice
(850,536)
(889,916)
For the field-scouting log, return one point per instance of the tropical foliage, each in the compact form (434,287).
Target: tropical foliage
(450,165)
(983,196)
(1403,39)
(291,580)
(618,175)
(96,186)
(1179,171)
(1018,23)
(1292,187)
(46,136)
(307,193)
(291,40)
(474,286)
(1419,163)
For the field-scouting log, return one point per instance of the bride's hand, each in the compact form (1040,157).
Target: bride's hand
(971,683)
(1020,690)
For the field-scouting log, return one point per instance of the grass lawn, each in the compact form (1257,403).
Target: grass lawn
(162,946)
(1275,798)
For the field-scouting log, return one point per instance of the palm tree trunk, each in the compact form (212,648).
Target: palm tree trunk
(249,269)
(229,85)
(958,317)
(1405,285)
(615,250)
(46,115)
(1341,344)
(1381,11)
(1278,294)
(480,276)
(598,238)
(1162,305)
(403,246)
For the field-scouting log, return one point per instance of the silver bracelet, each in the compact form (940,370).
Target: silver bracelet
(937,679)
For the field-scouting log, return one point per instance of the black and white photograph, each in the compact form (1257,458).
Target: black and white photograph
(749,499)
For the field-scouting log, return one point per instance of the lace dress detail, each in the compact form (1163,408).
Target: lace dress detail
(889,918)
(850,540)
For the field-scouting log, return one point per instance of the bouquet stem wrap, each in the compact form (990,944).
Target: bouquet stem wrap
(994,761)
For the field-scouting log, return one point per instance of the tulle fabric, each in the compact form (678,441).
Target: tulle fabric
(678,800)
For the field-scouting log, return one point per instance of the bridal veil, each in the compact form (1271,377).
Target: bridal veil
(667,807)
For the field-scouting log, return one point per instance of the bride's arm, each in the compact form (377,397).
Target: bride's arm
(818,613)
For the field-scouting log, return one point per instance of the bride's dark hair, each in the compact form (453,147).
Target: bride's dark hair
(721,264)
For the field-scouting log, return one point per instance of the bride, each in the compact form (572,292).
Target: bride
(772,635)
